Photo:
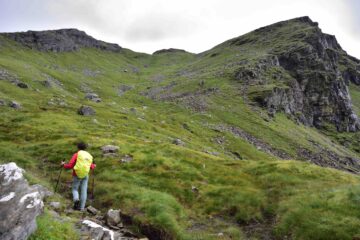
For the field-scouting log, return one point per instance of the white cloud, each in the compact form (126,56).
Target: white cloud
(196,26)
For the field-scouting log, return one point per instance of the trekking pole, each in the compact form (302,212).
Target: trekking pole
(93,184)
(58,178)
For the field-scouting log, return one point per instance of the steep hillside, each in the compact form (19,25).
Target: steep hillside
(223,143)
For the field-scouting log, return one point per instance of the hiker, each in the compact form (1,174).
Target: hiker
(81,163)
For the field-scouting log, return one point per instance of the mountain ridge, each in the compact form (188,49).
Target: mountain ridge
(61,40)
(246,140)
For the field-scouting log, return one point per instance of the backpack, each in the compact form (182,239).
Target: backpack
(83,163)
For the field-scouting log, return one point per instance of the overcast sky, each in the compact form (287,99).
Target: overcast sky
(193,25)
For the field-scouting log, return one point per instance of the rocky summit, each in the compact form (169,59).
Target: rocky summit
(308,70)
(256,138)
(63,40)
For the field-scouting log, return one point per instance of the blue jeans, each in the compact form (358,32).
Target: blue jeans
(83,184)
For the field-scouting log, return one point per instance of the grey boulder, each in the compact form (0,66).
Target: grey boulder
(96,231)
(93,97)
(15,105)
(112,217)
(109,149)
(86,111)
(92,210)
(178,142)
(20,203)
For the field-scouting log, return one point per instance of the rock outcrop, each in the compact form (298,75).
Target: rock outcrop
(170,50)
(307,74)
(107,227)
(62,40)
(20,203)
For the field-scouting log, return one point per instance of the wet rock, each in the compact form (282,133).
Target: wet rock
(86,111)
(20,203)
(15,105)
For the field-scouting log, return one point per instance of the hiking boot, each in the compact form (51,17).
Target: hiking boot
(77,205)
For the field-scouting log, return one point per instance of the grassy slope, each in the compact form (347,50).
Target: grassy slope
(305,201)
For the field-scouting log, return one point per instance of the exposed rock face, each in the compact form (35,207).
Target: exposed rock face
(20,203)
(63,40)
(315,73)
(260,145)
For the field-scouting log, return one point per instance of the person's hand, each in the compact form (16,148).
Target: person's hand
(62,163)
